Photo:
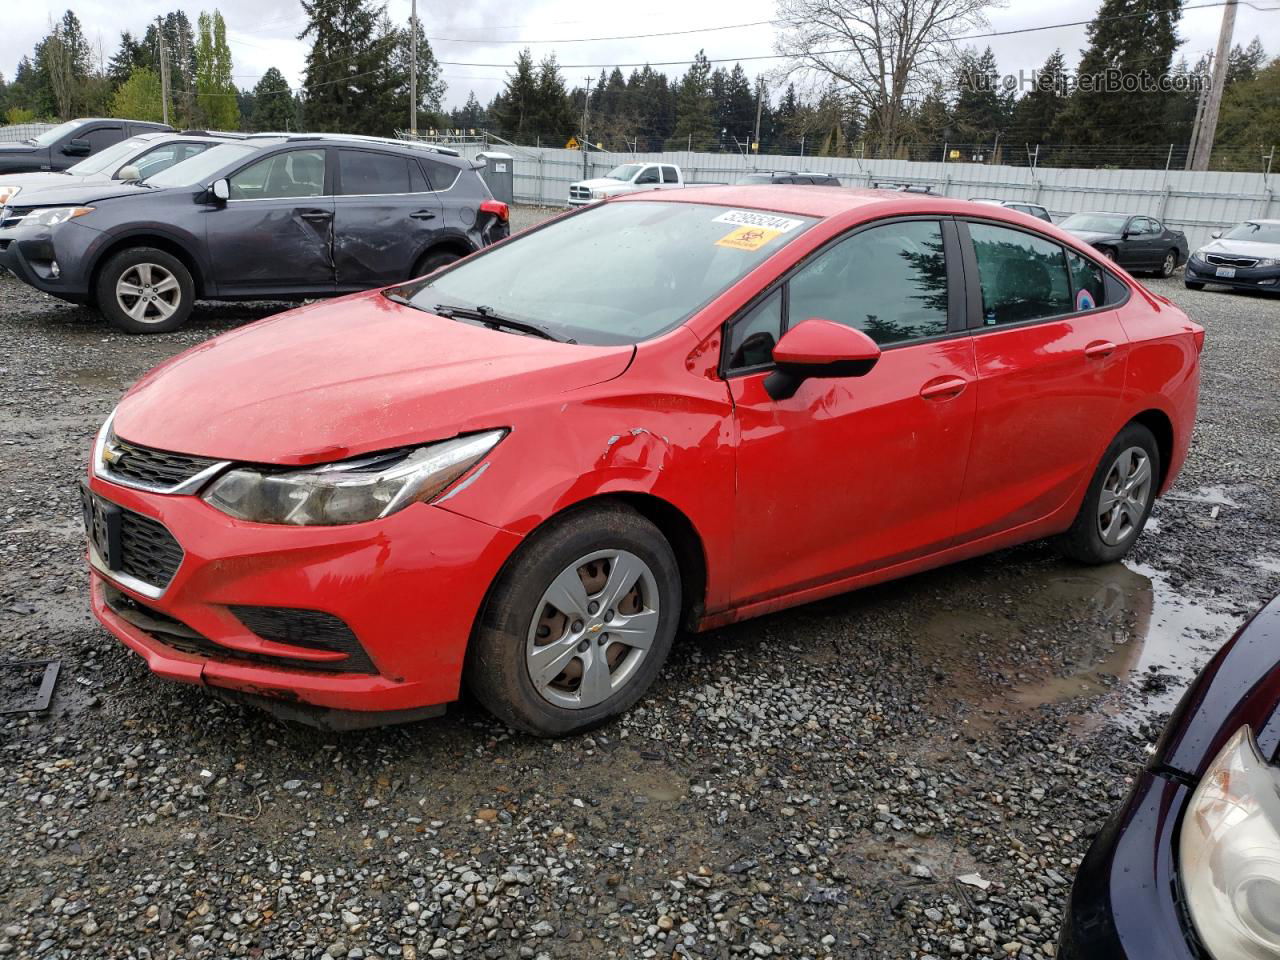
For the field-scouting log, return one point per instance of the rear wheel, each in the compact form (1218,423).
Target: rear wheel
(1169,264)
(145,290)
(1119,499)
(432,262)
(1109,253)
(579,623)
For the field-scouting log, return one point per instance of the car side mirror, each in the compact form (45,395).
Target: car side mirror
(77,147)
(819,348)
(221,189)
(1125,234)
(128,172)
(1215,234)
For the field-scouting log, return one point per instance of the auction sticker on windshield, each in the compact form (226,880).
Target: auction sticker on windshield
(748,238)
(755,218)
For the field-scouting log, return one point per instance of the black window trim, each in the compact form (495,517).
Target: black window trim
(974,289)
(951,248)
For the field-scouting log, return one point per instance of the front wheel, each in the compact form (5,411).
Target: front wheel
(578,624)
(145,290)
(1119,499)
(1193,284)
(1110,254)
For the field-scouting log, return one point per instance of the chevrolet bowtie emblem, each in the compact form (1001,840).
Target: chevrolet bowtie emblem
(111,454)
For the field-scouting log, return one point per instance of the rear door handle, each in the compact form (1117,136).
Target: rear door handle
(423,215)
(316,216)
(943,388)
(1099,349)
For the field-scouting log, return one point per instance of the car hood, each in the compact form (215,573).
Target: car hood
(1241,248)
(600,183)
(70,191)
(346,377)
(47,179)
(1091,236)
(14,149)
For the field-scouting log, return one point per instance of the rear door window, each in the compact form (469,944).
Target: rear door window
(365,173)
(669,175)
(100,137)
(1023,277)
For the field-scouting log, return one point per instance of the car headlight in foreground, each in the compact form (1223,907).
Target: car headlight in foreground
(1230,854)
(353,491)
(52,216)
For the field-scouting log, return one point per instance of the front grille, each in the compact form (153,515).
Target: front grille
(579,193)
(152,468)
(1218,260)
(310,629)
(148,552)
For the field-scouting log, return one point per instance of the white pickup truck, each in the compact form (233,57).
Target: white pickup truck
(627,178)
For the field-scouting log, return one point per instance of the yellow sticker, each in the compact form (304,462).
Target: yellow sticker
(748,238)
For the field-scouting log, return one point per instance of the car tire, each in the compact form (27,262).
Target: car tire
(1118,501)
(1109,253)
(1169,264)
(577,561)
(1193,284)
(165,291)
(433,262)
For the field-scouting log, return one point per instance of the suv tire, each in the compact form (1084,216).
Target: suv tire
(145,290)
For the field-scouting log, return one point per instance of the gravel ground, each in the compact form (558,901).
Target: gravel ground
(910,771)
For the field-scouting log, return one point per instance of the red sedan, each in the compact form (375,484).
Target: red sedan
(530,469)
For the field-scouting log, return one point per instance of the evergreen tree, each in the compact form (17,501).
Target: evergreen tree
(64,61)
(1249,120)
(431,87)
(695,116)
(981,107)
(215,91)
(1035,114)
(513,109)
(1244,63)
(471,116)
(739,107)
(1136,38)
(553,118)
(273,104)
(128,57)
(349,87)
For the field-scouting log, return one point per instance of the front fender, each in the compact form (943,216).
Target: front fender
(192,246)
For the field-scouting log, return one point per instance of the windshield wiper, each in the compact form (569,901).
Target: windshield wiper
(495,321)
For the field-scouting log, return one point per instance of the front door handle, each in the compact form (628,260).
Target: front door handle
(423,215)
(317,216)
(1099,349)
(943,388)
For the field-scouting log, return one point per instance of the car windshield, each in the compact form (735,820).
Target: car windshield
(50,137)
(624,172)
(201,167)
(107,159)
(616,273)
(1256,232)
(1095,222)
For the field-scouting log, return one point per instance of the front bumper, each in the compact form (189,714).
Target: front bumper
(409,587)
(1246,278)
(30,252)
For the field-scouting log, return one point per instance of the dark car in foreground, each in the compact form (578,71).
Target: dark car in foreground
(529,469)
(61,146)
(1246,257)
(801,177)
(1189,867)
(1137,243)
(269,217)
(137,158)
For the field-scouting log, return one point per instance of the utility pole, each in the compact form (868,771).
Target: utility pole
(759,107)
(1209,122)
(413,68)
(586,140)
(1195,124)
(164,70)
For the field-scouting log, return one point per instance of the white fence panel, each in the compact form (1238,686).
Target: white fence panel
(1193,201)
(17,132)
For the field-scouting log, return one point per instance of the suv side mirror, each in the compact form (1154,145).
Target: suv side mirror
(819,348)
(77,147)
(128,172)
(221,189)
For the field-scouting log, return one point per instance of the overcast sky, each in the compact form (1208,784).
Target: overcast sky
(263,33)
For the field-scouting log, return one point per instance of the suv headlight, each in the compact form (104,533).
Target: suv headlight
(52,216)
(352,491)
(1229,850)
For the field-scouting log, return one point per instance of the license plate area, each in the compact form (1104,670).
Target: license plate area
(1227,272)
(102,525)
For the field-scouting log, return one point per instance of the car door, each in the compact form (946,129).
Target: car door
(85,143)
(275,232)
(384,217)
(1050,355)
(852,474)
(1144,238)
(648,179)
(670,178)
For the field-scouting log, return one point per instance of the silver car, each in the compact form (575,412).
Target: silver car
(1246,257)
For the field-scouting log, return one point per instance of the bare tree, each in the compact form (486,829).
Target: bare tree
(884,52)
(59,62)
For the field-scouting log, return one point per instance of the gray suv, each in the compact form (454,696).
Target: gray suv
(269,217)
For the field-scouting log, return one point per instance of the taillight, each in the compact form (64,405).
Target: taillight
(1198,334)
(497,208)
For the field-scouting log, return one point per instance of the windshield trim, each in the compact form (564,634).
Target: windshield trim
(809,221)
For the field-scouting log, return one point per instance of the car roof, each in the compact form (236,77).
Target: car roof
(140,123)
(357,140)
(822,203)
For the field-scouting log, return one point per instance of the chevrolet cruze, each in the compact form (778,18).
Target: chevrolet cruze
(529,470)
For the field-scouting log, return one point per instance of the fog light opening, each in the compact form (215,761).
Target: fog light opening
(54,270)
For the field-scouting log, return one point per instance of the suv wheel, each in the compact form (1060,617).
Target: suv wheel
(145,290)
(433,262)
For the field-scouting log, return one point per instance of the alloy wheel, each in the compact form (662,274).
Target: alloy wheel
(592,628)
(1126,489)
(148,293)
(1170,264)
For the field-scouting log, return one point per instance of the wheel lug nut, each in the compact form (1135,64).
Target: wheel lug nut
(592,607)
(577,626)
(582,647)
(608,615)
(604,638)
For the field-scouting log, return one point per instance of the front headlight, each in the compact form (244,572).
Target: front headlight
(1229,851)
(8,191)
(598,194)
(1268,262)
(52,216)
(1197,255)
(352,491)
